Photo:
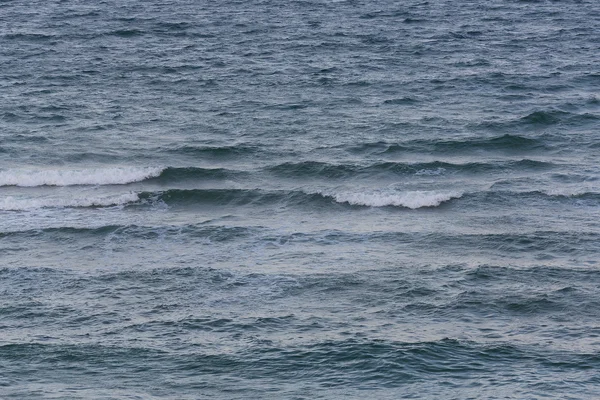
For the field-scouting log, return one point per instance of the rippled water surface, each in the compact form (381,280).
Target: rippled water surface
(304,199)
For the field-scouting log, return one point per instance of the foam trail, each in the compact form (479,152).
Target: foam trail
(69,177)
(413,199)
(11,203)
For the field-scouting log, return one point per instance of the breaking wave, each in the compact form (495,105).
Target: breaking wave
(11,203)
(412,199)
(70,177)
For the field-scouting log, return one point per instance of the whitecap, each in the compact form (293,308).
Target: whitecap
(69,177)
(411,199)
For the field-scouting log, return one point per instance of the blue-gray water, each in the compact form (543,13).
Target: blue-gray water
(304,199)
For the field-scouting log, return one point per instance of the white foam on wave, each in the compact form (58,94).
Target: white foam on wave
(11,203)
(412,199)
(69,177)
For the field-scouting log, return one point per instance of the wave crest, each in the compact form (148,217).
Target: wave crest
(66,177)
(412,200)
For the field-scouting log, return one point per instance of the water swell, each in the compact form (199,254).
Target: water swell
(505,143)
(327,363)
(229,197)
(219,152)
(173,174)
(238,197)
(71,177)
(412,199)
(312,169)
(12,203)
(212,233)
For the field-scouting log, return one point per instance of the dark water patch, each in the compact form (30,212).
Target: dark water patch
(233,197)
(295,198)
(30,233)
(119,233)
(588,78)
(401,101)
(573,177)
(556,243)
(483,302)
(361,364)
(383,14)
(542,243)
(414,20)
(238,325)
(159,275)
(29,138)
(127,33)
(540,274)
(505,292)
(11,117)
(507,197)
(52,118)
(308,169)
(544,118)
(478,62)
(218,152)
(539,119)
(30,37)
(67,356)
(173,174)
(90,156)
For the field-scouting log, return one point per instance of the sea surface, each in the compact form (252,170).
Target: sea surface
(314,199)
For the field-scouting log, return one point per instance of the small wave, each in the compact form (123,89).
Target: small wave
(172,174)
(225,197)
(321,169)
(544,117)
(553,194)
(98,176)
(212,233)
(35,37)
(11,203)
(214,151)
(504,143)
(413,199)
(127,33)
(576,192)
(401,101)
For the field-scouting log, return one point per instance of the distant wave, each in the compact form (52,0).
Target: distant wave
(11,203)
(216,233)
(293,198)
(215,151)
(69,177)
(173,174)
(292,170)
(322,169)
(572,192)
(504,143)
(411,199)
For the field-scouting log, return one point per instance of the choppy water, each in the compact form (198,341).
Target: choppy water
(305,199)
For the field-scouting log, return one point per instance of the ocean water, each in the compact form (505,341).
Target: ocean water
(303,200)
